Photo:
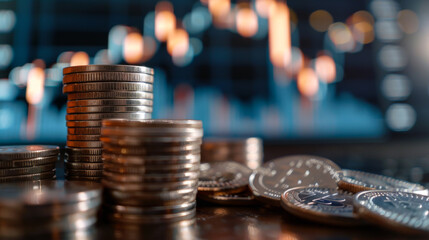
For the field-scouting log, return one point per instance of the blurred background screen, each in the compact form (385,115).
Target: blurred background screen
(309,70)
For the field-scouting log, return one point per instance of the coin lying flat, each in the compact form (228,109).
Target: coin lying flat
(109,109)
(235,199)
(100,116)
(83,151)
(149,169)
(84,131)
(399,211)
(71,137)
(150,178)
(29,177)
(107,68)
(151,219)
(325,205)
(30,162)
(143,150)
(223,177)
(114,94)
(152,199)
(158,123)
(84,166)
(151,210)
(106,87)
(83,173)
(84,124)
(19,152)
(76,158)
(110,102)
(357,181)
(106,77)
(132,187)
(129,160)
(26,170)
(84,144)
(288,172)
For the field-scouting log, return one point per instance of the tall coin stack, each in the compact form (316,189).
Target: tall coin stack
(27,162)
(151,169)
(47,208)
(247,151)
(96,92)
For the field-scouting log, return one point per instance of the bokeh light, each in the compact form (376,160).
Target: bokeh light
(393,57)
(325,68)
(396,87)
(79,58)
(279,35)
(408,21)
(400,117)
(219,8)
(387,31)
(307,82)
(320,20)
(178,43)
(246,22)
(341,36)
(362,23)
(35,85)
(6,55)
(165,20)
(133,48)
(296,63)
(7,20)
(263,7)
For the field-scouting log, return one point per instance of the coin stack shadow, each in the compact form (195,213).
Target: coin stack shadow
(151,169)
(248,151)
(27,162)
(47,208)
(95,92)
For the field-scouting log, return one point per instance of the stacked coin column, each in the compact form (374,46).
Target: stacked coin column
(151,169)
(96,92)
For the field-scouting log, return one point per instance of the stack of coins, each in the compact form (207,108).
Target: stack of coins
(248,151)
(27,162)
(47,207)
(95,92)
(150,169)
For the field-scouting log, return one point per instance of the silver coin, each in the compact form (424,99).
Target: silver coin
(30,162)
(83,151)
(136,187)
(108,68)
(235,199)
(142,150)
(129,160)
(71,137)
(400,211)
(150,178)
(76,158)
(107,87)
(357,181)
(160,141)
(325,205)
(110,102)
(150,199)
(84,131)
(27,170)
(106,77)
(142,219)
(19,152)
(114,95)
(153,132)
(150,169)
(29,177)
(150,210)
(84,144)
(293,171)
(109,109)
(83,166)
(223,177)
(154,123)
(100,116)
(46,192)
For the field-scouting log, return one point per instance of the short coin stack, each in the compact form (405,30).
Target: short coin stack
(248,151)
(96,92)
(150,169)
(27,162)
(47,207)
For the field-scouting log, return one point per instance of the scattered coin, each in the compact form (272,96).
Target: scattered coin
(357,181)
(288,172)
(110,102)
(399,211)
(235,199)
(107,76)
(223,177)
(324,205)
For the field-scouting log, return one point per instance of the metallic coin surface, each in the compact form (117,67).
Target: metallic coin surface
(151,150)
(83,178)
(225,177)
(400,211)
(107,87)
(110,102)
(139,140)
(28,177)
(30,162)
(107,77)
(135,187)
(84,131)
(71,137)
(151,210)
(108,68)
(84,124)
(109,109)
(163,133)
(236,199)
(154,123)
(150,169)
(115,95)
(150,178)
(19,152)
(83,151)
(288,172)
(76,158)
(151,219)
(151,199)
(27,170)
(129,160)
(357,181)
(84,173)
(84,166)
(84,144)
(100,116)
(325,205)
